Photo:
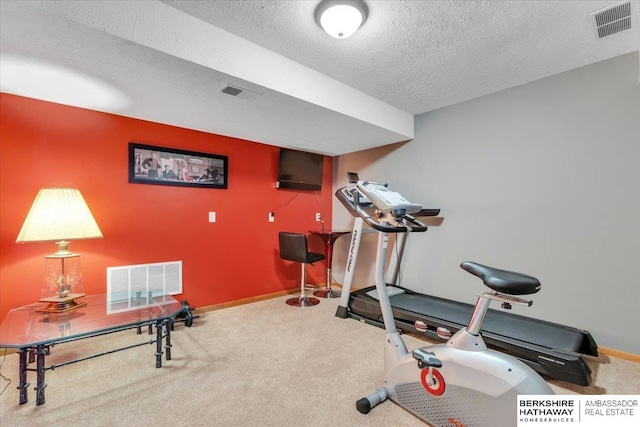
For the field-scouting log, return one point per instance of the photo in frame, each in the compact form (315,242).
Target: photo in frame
(150,164)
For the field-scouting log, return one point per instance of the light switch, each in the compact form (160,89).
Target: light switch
(212,217)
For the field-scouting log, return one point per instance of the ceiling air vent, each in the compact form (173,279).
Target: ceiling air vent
(612,19)
(230,90)
(239,92)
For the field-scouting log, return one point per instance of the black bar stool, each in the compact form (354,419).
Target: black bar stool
(293,247)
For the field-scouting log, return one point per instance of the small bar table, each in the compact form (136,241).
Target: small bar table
(328,237)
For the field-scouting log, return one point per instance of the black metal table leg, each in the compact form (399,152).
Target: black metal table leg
(138,301)
(149,300)
(167,344)
(158,343)
(23,385)
(40,385)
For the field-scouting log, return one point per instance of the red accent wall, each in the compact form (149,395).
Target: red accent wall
(43,144)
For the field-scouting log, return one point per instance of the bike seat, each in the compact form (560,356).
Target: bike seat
(505,282)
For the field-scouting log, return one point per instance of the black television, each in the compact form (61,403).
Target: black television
(299,170)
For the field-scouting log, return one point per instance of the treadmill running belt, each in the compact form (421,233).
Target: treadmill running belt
(549,348)
(497,322)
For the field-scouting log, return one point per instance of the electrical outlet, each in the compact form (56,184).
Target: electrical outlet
(318,217)
(272,217)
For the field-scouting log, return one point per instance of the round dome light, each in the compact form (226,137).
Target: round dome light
(340,19)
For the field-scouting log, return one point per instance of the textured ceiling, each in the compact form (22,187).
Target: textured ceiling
(167,61)
(423,55)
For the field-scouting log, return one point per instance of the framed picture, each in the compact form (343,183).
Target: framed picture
(169,166)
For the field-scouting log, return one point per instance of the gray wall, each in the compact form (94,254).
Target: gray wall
(543,178)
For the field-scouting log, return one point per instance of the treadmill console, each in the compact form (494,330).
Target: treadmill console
(385,200)
(362,199)
(380,208)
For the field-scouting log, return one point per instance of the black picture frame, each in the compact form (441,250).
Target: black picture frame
(150,164)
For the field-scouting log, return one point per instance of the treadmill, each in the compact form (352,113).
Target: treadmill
(549,348)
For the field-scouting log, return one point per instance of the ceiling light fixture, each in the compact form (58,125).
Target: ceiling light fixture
(341,18)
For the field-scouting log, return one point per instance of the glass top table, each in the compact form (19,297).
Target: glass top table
(33,332)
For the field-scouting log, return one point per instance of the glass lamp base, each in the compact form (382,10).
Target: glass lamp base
(56,304)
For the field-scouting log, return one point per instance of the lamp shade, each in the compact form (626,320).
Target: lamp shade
(58,214)
(341,18)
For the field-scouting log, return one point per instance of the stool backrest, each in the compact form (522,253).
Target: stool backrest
(293,246)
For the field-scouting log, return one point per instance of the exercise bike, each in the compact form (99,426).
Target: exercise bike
(462,382)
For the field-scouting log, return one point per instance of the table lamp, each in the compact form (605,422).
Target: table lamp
(59,215)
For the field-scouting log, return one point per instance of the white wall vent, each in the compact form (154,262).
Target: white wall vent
(129,286)
(612,19)
(239,92)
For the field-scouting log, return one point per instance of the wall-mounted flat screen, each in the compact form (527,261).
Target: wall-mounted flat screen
(300,170)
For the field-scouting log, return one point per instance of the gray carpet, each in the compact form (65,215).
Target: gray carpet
(260,364)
